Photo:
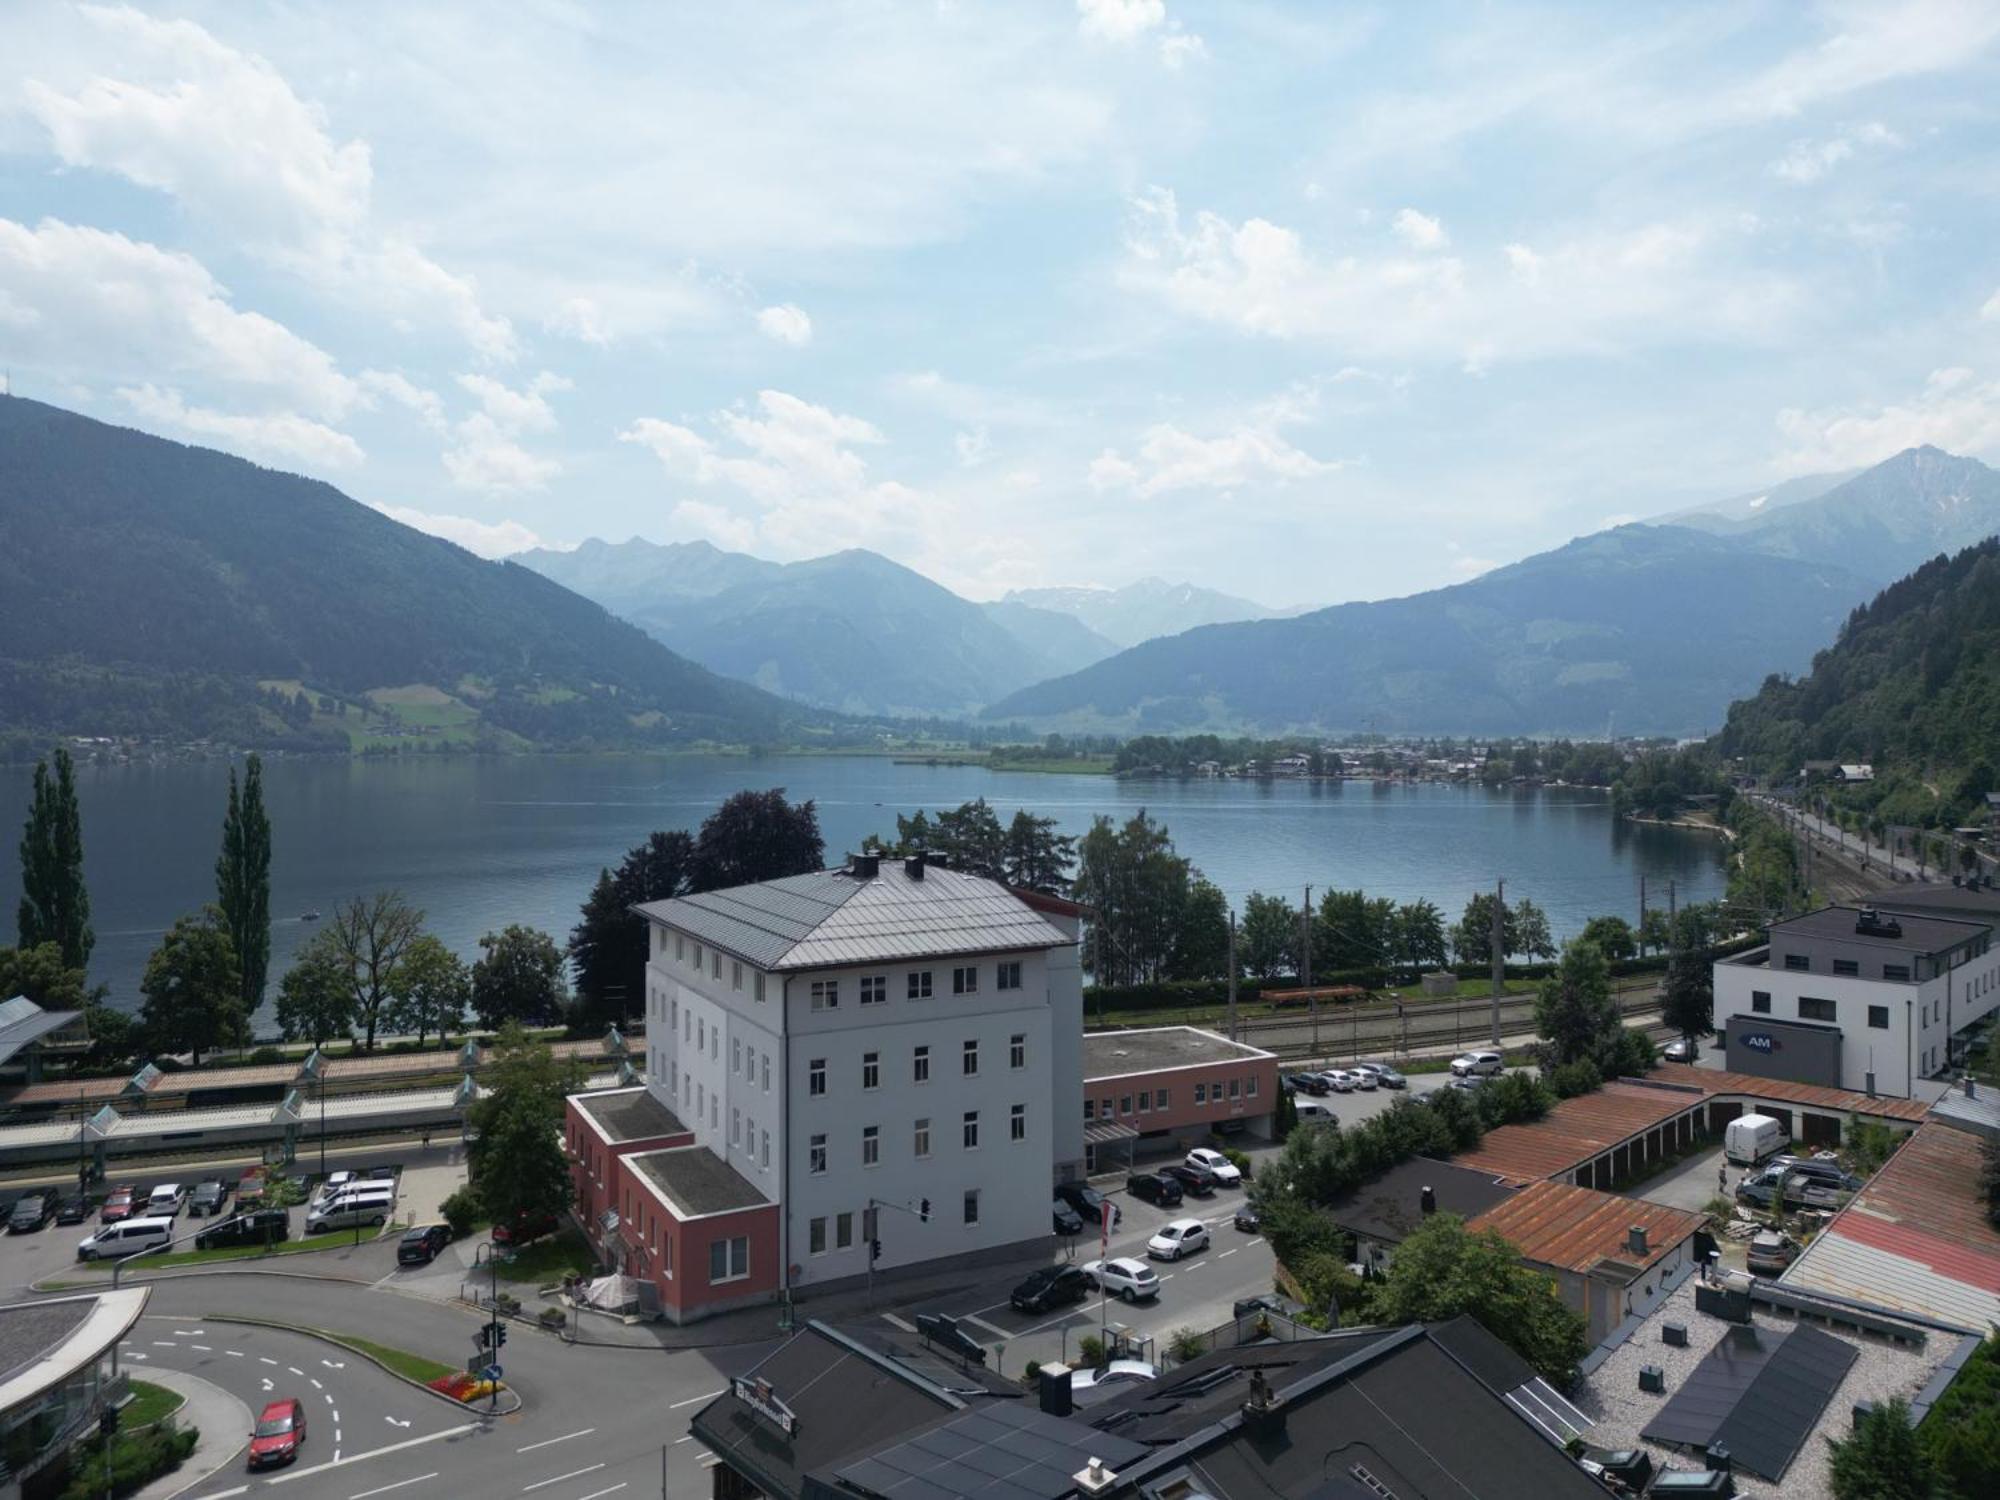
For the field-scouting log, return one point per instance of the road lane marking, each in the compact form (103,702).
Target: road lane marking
(397,1421)
(597,1494)
(204,1348)
(316,1385)
(693,1399)
(267,1383)
(997,1331)
(233,1353)
(334,1364)
(336,1410)
(542,1484)
(190,1333)
(679,1440)
(296,1371)
(336,1441)
(229,1494)
(165,1344)
(551,1442)
(383,1490)
(1227,1253)
(904,1323)
(354,1458)
(265,1359)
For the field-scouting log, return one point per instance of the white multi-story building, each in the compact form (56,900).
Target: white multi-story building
(891,1051)
(1856,998)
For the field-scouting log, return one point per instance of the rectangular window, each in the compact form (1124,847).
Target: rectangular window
(1159,1098)
(816,1237)
(1797,961)
(965,981)
(871,1070)
(1878,1017)
(1104,1108)
(816,1077)
(715,1111)
(735,1126)
(1760,1002)
(715,963)
(715,1044)
(728,1260)
(1235,1088)
(921,1139)
(843,1231)
(875,989)
(1007,976)
(1017,1122)
(764,1156)
(971,1131)
(697,958)
(735,1055)
(760,988)
(680,947)
(1811,1009)
(687,1026)
(871,1145)
(972,1206)
(920,1065)
(1201,1093)
(969,1062)
(1847,966)
(1124,1104)
(1896,971)
(826,994)
(765,1066)
(700,1034)
(1017,1051)
(1250,1086)
(1090,1109)
(920,984)
(816,1156)
(1145,1101)
(735,975)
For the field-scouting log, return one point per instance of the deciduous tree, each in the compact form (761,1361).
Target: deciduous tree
(1267,944)
(193,989)
(55,902)
(757,836)
(1574,1012)
(518,978)
(430,990)
(1613,936)
(371,934)
(516,1159)
(315,998)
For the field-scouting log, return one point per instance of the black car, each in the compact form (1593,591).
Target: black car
(1263,1302)
(74,1209)
(1067,1220)
(1246,1219)
(1087,1201)
(1193,1180)
(1310,1083)
(1054,1286)
(420,1246)
(263,1226)
(1153,1188)
(32,1210)
(208,1198)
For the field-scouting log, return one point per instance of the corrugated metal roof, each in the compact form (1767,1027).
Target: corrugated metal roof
(1574,1131)
(1778,1091)
(1576,1228)
(833,918)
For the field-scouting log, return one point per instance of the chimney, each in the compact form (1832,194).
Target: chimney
(1427,1200)
(1093,1478)
(914,866)
(1967,1084)
(1263,1413)
(864,866)
(1635,1239)
(1055,1388)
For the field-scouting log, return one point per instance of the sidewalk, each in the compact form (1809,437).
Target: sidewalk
(222,1421)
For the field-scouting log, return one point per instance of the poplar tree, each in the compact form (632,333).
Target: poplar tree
(243,881)
(55,903)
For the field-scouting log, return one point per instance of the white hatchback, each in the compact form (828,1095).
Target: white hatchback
(1122,1276)
(1218,1166)
(1181,1237)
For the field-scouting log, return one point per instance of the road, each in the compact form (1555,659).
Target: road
(1869,855)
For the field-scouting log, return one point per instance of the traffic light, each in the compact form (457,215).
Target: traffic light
(874,1250)
(499,1334)
(107,1422)
(924,1211)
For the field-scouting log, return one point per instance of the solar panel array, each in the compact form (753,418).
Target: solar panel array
(1759,1394)
(992,1453)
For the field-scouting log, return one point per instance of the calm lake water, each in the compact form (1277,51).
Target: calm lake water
(480,842)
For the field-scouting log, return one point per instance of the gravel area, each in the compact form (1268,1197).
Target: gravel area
(1612,1396)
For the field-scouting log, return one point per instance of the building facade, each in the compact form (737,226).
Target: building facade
(1168,1087)
(1856,998)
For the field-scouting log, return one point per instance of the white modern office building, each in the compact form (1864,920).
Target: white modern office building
(889,1051)
(1856,998)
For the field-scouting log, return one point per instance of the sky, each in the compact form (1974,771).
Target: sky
(1304,302)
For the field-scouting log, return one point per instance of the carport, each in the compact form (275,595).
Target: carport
(1102,1133)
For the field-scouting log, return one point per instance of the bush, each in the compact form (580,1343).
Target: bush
(1090,1352)
(553,1317)
(1573,1078)
(1239,1160)
(265,1056)
(136,1461)
(461,1211)
(1185,1344)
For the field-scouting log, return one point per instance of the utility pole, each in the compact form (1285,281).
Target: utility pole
(1306,965)
(1499,944)
(1642,911)
(1232,976)
(1673,907)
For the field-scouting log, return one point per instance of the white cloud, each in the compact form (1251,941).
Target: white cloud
(89,302)
(1420,231)
(488,539)
(1471,567)
(280,438)
(392,386)
(512,410)
(485,457)
(785,323)
(973,448)
(716,523)
(1956,410)
(1119,20)
(1179,48)
(1252,453)
(1991,311)
(1807,161)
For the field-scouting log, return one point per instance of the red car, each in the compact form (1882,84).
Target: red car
(250,1189)
(524,1229)
(119,1204)
(278,1433)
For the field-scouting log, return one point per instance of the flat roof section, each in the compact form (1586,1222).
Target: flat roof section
(1925,935)
(629,1115)
(1579,1229)
(49,1340)
(696,1182)
(1576,1130)
(1154,1049)
(1391,1206)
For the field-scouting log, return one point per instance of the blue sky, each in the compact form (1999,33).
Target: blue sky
(1308,303)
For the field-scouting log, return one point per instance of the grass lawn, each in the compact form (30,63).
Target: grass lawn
(148,1405)
(416,1366)
(332,1241)
(547,1261)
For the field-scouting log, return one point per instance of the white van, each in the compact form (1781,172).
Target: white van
(345,1210)
(1748,1139)
(166,1200)
(127,1237)
(1313,1111)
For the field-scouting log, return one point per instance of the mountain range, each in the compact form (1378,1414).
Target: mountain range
(1146,609)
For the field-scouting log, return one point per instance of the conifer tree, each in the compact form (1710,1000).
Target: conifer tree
(55,902)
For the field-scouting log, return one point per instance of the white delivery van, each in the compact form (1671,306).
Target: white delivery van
(127,1237)
(351,1207)
(1748,1139)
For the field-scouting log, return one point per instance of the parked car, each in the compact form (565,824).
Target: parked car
(259,1226)
(1364,1079)
(1067,1220)
(525,1229)
(1181,1237)
(1088,1202)
(118,1205)
(1339,1080)
(74,1209)
(1122,1276)
(1151,1187)
(1309,1083)
(1119,1375)
(280,1429)
(1826,1174)
(1196,1184)
(127,1237)
(362,1206)
(1385,1076)
(420,1246)
(1263,1302)
(331,1184)
(1467,1081)
(208,1198)
(1050,1288)
(1771,1251)
(166,1200)
(1476,1064)
(1218,1166)
(32,1210)
(1247,1220)
(1681,1050)
(250,1189)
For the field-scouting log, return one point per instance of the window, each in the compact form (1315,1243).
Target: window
(1017,1051)
(697,958)
(1235,1088)
(1090,1109)
(1007,976)
(1124,1104)
(871,1070)
(764,1156)
(971,1130)
(1760,1002)
(1797,961)
(1017,1122)
(715,1111)
(920,984)
(1250,1086)
(687,1026)
(920,1065)
(816,1155)
(921,1139)
(871,1145)
(969,1061)
(700,1035)
(735,1126)
(715,963)
(680,946)
(765,1068)
(816,1077)
(700,1102)
(1104,1108)
(715,1044)
(843,1231)
(1896,971)
(875,989)
(1145,1100)
(1159,1098)
(760,989)
(1847,966)
(965,981)
(1811,1009)
(826,994)
(1201,1093)
(735,976)
(1878,1017)
(728,1260)
(972,1206)
(816,1237)
(735,1055)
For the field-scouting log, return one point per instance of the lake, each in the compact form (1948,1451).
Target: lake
(479,842)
